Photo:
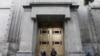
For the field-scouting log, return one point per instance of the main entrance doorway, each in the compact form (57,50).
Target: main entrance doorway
(50,35)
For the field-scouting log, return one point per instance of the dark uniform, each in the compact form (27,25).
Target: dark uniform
(43,53)
(53,53)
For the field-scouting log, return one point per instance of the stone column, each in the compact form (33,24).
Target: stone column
(73,45)
(66,38)
(34,40)
(26,34)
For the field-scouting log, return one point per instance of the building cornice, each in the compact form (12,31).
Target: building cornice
(39,4)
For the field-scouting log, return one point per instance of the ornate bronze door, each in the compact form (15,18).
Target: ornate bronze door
(50,37)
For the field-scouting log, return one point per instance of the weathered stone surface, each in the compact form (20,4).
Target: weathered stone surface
(5,15)
(51,10)
(26,32)
(5,3)
(24,54)
(27,26)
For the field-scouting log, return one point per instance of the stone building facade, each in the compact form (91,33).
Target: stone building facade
(22,20)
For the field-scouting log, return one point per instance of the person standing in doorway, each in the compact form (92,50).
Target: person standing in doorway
(43,52)
(53,52)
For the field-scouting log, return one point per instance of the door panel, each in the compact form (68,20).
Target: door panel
(51,37)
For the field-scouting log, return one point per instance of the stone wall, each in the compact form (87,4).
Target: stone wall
(5,21)
(89,26)
(14,32)
(95,11)
(11,14)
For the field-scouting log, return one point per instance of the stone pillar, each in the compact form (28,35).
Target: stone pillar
(73,45)
(26,34)
(66,38)
(34,45)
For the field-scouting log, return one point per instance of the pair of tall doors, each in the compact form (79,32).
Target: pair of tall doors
(50,36)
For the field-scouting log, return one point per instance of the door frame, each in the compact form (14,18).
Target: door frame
(62,39)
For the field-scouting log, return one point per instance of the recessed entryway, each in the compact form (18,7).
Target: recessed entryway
(50,34)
